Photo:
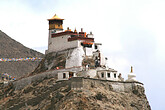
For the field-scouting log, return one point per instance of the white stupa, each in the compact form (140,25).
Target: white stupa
(131,76)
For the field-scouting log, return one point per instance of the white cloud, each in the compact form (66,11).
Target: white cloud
(23,25)
(121,64)
(151,17)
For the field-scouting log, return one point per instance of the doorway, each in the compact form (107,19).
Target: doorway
(71,74)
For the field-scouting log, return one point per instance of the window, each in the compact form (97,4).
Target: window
(102,74)
(64,75)
(95,46)
(53,31)
(108,74)
(86,45)
(51,22)
(115,75)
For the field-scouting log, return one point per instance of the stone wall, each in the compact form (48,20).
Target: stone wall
(117,86)
(77,83)
(39,77)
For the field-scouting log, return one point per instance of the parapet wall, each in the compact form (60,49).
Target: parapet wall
(117,86)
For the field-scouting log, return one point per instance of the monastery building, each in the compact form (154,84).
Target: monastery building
(86,58)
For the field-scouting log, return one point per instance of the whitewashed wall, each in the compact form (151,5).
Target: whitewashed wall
(61,43)
(50,33)
(112,76)
(60,76)
(106,75)
(75,58)
(102,60)
(88,51)
(92,73)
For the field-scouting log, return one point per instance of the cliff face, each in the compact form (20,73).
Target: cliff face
(49,94)
(9,48)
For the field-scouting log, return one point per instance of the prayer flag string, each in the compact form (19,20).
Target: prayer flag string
(7,75)
(20,59)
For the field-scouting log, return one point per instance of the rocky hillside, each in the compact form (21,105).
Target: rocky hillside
(52,60)
(49,94)
(9,48)
(41,90)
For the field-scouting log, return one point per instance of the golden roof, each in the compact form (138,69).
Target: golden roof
(55,17)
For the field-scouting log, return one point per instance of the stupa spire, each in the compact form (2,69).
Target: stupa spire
(131,69)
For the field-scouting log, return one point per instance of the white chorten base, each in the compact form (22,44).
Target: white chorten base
(131,77)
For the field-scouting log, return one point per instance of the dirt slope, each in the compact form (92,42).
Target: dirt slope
(9,48)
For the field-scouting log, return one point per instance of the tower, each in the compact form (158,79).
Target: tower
(55,26)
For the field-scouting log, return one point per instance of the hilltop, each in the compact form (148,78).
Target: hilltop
(50,94)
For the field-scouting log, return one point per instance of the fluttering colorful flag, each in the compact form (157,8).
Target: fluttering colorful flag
(7,75)
(20,59)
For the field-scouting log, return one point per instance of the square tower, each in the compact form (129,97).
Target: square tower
(55,24)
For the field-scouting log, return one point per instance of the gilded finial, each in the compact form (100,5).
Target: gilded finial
(75,30)
(55,17)
(131,69)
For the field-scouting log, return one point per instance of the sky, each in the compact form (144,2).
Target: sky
(131,31)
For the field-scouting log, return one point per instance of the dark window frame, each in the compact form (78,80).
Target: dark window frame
(114,75)
(64,75)
(102,74)
(96,47)
(108,75)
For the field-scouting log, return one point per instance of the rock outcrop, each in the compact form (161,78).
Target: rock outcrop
(49,94)
(53,60)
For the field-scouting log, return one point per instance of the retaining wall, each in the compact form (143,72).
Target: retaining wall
(77,83)
(117,86)
(39,77)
